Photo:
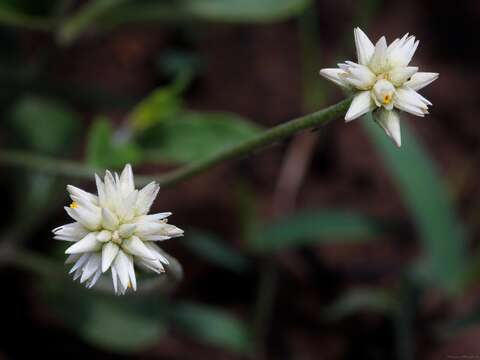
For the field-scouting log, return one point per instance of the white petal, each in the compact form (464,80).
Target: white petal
(421,79)
(91,267)
(156,237)
(360,76)
(94,279)
(400,52)
(126,208)
(159,253)
(131,273)
(89,219)
(88,244)
(410,101)
(74,191)
(389,120)
(114,279)
(149,228)
(145,198)
(364,46)
(104,236)
(335,75)
(361,104)
(70,232)
(111,191)
(121,264)
(399,75)
(378,63)
(152,217)
(109,251)
(109,219)
(126,180)
(135,246)
(72,258)
(126,230)
(80,262)
(102,197)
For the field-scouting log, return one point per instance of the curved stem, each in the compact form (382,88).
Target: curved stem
(268,137)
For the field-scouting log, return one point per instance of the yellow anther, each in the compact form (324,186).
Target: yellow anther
(387,99)
(74,205)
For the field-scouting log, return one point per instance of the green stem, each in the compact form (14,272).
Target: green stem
(273,135)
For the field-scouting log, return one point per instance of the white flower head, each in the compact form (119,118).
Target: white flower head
(383,81)
(112,231)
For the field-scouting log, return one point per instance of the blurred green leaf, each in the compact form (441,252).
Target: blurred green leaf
(28,14)
(317,227)
(104,151)
(122,324)
(354,301)
(44,125)
(426,196)
(214,250)
(190,136)
(106,14)
(212,326)
(162,104)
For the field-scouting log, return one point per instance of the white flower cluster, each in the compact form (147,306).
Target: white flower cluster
(383,81)
(113,231)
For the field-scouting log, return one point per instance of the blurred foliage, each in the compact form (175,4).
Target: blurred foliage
(190,136)
(104,150)
(215,250)
(317,227)
(426,196)
(213,326)
(44,125)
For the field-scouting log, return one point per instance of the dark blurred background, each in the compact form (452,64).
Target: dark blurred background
(333,244)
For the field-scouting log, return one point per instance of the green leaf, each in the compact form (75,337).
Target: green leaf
(107,14)
(122,324)
(212,326)
(162,104)
(354,301)
(104,151)
(192,136)
(426,196)
(317,227)
(44,125)
(29,14)
(214,250)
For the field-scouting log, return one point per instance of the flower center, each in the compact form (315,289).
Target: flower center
(116,238)
(383,91)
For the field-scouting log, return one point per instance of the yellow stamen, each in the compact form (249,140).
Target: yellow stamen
(387,99)
(129,285)
(74,205)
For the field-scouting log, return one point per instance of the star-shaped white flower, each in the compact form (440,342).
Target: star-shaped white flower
(113,231)
(383,81)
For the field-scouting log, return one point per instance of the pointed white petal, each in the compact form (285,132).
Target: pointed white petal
(102,197)
(361,104)
(364,46)
(88,244)
(91,267)
(126,180)
(378,63)
(159,253)
(410,101)
(89,219)
(131,273)
(360,76)
(335,75)
(145,198)
(126,230)
(72,258)
(94,279)
(421,79)
(389,120)
(399,75)
(80,262)
(149,228)
(121,263)
(86,196)
(109,219)
(126,208)
(109,251)
(114,279)
(136,247)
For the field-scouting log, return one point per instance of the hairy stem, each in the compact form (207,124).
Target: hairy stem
(268,137)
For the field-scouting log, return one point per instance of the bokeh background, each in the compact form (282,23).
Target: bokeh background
(333,244)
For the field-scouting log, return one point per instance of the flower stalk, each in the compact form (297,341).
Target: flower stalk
(73,169)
